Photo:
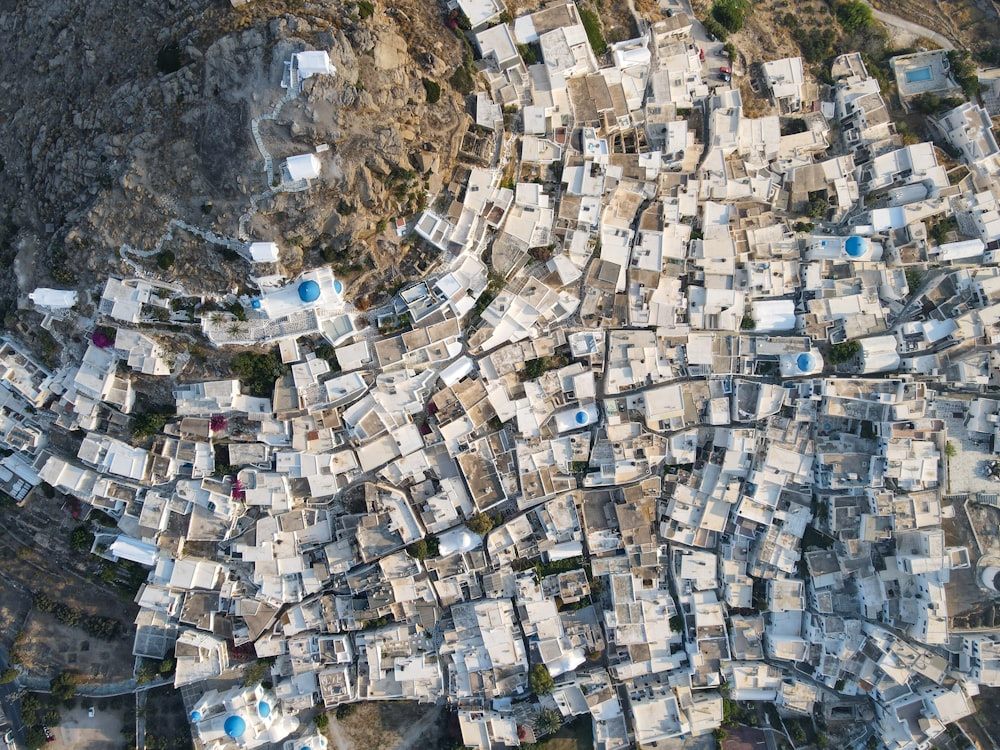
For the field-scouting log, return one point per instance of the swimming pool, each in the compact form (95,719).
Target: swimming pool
(918,74)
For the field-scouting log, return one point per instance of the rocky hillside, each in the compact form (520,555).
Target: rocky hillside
(117,117)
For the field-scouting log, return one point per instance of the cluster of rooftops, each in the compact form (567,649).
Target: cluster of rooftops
(694,451)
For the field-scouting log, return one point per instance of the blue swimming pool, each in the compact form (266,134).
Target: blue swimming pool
(918,74)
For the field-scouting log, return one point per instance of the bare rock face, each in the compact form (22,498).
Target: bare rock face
(118,117)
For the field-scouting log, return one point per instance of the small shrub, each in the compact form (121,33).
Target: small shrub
(592,25)
(345,711)
(148,424)
(433,90)
(462,81)
(165,259)
(169,59)
(81,539)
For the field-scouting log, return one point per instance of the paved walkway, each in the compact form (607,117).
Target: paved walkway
(108,690)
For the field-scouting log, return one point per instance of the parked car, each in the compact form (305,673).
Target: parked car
(701,54)
(90,712)
(725,69)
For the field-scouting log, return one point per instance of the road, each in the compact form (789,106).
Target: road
(895,22)
(11,702)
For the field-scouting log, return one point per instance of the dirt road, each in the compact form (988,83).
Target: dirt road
(911,29)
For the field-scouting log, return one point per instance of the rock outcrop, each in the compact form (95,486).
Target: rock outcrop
(118,117)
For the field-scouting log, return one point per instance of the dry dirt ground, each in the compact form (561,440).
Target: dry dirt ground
(983,727)
(388,726)
(48,645)
(78,731)
(963,593)
(35,556)
(968,23)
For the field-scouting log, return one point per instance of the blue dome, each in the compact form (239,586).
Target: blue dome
(196,716)
(805,362)
(582,417)
(338,286)
(309,291)
(264,709)
(855,246)
(234,726)
(306,747)
(255,304)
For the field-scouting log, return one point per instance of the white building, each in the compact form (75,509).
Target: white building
(302,167)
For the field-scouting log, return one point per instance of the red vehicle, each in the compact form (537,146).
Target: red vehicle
(727,70)
(701,54)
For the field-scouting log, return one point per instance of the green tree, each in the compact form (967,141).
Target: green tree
(418,550)
(730,14)
(950,450)
(481,523)
(535,368)
(257,671)
(165,260)
(964,72)
(817,207)
(855,16)
(322,721)
(81,539)
(540,680)
(8,675)
(843,352)
(421,549)
(34,737)
(547,721)
(258,371)
(63,685)
(914,278)
(148,424)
